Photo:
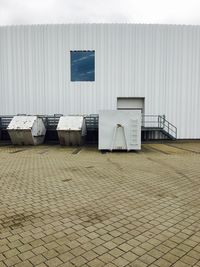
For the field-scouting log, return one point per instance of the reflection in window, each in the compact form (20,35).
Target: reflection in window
(82,66)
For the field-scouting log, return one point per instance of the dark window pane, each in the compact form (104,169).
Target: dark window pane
(82,66)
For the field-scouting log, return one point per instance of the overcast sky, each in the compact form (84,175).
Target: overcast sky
(65,11)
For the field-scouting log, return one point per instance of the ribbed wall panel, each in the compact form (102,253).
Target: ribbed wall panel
(158,62)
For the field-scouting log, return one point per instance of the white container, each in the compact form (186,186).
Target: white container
(26,130)
(71,130)
(120,130)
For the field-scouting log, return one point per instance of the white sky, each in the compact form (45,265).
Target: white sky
(78,11)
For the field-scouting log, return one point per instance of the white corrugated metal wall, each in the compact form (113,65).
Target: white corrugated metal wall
(158,62)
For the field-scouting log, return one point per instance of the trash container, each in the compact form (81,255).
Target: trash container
(26,130)
(71,130)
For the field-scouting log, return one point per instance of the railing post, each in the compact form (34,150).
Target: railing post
(163,126)
(0,126)
(47,122)
(159,121)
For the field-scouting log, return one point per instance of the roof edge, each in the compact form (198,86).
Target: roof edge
(97,24)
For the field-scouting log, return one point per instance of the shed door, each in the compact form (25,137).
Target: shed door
(130,103)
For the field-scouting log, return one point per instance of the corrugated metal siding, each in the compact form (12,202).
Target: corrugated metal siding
(158,62)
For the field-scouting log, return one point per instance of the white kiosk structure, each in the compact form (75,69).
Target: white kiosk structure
(119,130)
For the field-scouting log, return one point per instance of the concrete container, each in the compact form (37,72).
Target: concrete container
(71,130)
(26,130)
(120,130)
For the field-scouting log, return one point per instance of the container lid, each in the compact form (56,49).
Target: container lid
(70,123)
(21,123)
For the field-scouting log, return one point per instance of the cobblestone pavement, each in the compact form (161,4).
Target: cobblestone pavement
(79,207)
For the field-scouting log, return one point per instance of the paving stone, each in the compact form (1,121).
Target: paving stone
(77,251)
(37,259)
(116,252)
(24,264)
(41,265)
(106,258)
(177,252)
(53,262)
(96,263)
(10,253)
(162,262)
(26,255)
(39,250)
(194,254)
(138,263)
(78,261)
(2,257)
(24,248)
(125,247)
(110,245)
(93,209)
(180,264)
(121,262)
(189,260)
(139,251)
(130,256)
(15,244)
(147,259)
(50,254)
(100,250)
(90,255)
(118,240)
(155,253)
(88,246)
(110,265)
(170,257)
(67,256)
(12,261)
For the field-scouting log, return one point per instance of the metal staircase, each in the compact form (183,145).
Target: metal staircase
(156,127)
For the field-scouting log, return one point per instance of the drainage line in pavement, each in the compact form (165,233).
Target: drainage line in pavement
(156,149)
(17,151)
(185,149)
(77,150)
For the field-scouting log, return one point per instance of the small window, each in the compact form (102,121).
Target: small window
(82,66)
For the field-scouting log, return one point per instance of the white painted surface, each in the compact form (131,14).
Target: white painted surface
(119,130)
(22,123)
(158,62)
(130,103)
(71,130)
(70,123)
(26,130)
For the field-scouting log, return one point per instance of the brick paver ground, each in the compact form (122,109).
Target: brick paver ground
(65,207)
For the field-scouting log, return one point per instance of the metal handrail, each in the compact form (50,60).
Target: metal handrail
(160,122)
(92,120)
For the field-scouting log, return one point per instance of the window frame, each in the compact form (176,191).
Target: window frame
(90,81)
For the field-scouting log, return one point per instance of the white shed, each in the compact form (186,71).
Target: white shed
(120,130)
